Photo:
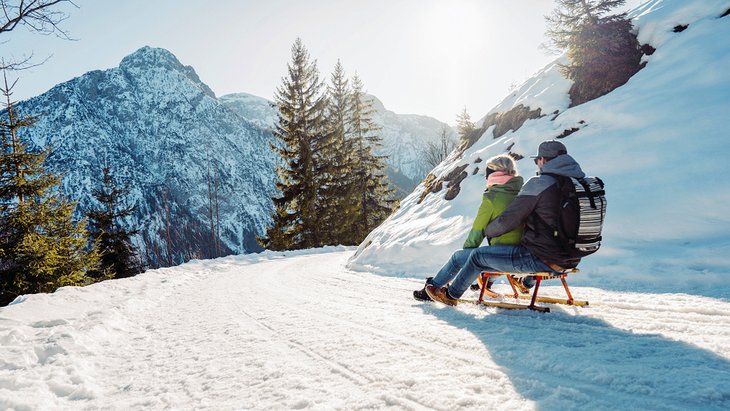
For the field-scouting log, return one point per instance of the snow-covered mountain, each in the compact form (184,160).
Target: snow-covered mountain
(405,136)
(162,131)
(255,109)
(659,142)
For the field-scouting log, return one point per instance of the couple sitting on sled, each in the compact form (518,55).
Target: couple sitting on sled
(519,223)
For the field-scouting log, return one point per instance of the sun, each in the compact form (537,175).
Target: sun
(452,28)
(452,39)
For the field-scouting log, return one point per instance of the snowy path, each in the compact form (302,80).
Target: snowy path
(266,332)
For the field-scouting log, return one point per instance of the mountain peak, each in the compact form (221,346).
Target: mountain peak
(148,58)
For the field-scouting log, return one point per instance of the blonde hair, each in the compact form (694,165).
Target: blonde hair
(503,163)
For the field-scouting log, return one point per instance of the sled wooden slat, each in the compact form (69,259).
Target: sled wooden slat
(505,305)
(539,278)
(552,300)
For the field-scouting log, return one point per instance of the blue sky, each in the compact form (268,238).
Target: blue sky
(429,57)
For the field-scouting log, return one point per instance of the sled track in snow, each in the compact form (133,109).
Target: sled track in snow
(304,332)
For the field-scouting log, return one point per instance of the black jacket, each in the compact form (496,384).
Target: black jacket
(537,206)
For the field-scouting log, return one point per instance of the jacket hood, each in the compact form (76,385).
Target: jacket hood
(563,165)
(513,186)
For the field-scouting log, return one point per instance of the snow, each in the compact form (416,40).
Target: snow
(548,89)
(659,142)
(659,17)
(298,330)
(257,110)
(336,328)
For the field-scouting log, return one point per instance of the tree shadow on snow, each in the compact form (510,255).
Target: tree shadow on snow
(564,361)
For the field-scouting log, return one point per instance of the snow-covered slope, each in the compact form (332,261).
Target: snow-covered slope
(162,131)
(659,142)
(301,331)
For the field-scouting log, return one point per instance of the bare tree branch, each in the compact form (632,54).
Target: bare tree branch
(24,64)
(435,153)
(38,16)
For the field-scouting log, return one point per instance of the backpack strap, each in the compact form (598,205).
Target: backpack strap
(587,190)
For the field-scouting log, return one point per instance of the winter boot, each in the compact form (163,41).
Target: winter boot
(421,294)
(520,284)
(441,295)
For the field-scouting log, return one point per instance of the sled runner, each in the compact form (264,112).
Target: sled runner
(539,277)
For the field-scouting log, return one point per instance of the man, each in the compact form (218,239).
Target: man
(537,206)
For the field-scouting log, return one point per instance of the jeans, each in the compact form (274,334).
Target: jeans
(452,267)
(465,265)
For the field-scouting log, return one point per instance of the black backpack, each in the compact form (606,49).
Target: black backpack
(581,215)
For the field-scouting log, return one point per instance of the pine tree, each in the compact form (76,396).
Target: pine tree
(300,134)
(464,126)
(603,52)
(41,247)
(118,256)
(337,197)
(371,186)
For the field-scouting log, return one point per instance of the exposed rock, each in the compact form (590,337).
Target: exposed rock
(647,49)
(511,120)
(680,28)
(455,173)
(567,132)
(455,186)
(428,185)
(454,178)
(503,122)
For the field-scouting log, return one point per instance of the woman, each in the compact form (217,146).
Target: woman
(503,184)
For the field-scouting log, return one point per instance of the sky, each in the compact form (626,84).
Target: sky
(429,57)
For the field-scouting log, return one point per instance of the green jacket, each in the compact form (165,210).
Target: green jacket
(496,198)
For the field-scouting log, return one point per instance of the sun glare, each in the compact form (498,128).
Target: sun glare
(452,28)
(452,34)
